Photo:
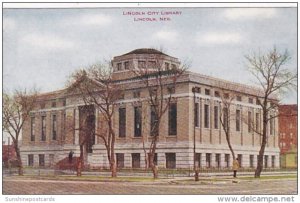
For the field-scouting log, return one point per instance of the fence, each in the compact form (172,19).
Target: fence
(163,173)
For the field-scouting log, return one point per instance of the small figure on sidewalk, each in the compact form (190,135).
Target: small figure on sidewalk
(71,156)
(235,166)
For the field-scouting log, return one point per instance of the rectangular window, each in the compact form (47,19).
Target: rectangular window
(120,160)
(43,105)
(171,90)
(226,118)
(238,120)
(227,160)
(196,90)
(153,92)
(198,160)
(154,122)
(206,116)
(152,64)
(141,64)
(64,126)
(43,138)
(273,161)
(257,101)
(207,92)
(126,65)
(240,159)
(32,126)
(167,66)
(137,121)
(119,66)
(266,161)
(136,94)
(170,160)
(51,160)
(250,100)
(217,94)
(216,117)
(173,119)
(30,160)
(208,160)
(249,121)
(196,115)
(54,127)
(53,104)
(226,95)
(121,96)
(41,160)
(251,158)
(136,160)
(257,122)
(238,98)
(272,124)
(122,122)
(64,102)
(173,66)
(218,160)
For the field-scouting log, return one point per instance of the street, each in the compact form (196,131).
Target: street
(13,186)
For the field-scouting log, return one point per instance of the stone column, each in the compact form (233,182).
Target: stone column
(277,161)
(96,125)
(142,159)
(222,161)
(213,160)
(269,161)
(127,160)
(76,136)
(203,160)
(161,159)
(255,160)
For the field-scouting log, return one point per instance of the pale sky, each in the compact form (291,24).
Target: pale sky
(42,47)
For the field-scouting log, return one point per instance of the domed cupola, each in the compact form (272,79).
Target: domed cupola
(151,59)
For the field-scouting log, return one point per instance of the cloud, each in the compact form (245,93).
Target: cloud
(249,13)
(47,41)
(89,20)
(218,38)
(9,24)
(166,35)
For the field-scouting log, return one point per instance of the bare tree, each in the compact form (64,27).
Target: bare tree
(226,116)
(160,83)
(16,111)
(96,88)
(273,78)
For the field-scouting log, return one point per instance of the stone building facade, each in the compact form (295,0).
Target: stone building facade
(47,140)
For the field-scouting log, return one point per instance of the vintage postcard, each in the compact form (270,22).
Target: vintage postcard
(150,99)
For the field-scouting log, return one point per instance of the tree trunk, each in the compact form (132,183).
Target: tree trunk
(260,161)
(20,165)
(229,144)
(154,171)
(152,165)
(113,167)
